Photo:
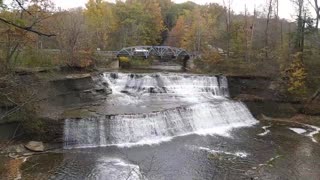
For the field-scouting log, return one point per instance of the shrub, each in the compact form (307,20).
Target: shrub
(124,62)
(35,58)
(139,62)
(295,76)
(208,60)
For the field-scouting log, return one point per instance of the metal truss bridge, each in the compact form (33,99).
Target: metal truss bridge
(159,51)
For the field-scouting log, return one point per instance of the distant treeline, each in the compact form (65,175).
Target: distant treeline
(212,30)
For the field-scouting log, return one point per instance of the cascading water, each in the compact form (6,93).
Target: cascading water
(168,83)
(203,108)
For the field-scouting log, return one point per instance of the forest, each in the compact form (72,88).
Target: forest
(242,102)
(36,33)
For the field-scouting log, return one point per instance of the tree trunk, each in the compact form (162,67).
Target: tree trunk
(317,10)
(267,29)
(246,34)
(229,28)
(252,34)
(300,28)
(302,32)
(228,24)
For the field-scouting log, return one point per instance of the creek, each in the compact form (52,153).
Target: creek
(175,126)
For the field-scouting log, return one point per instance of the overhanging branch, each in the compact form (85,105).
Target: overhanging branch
(24,9)
(29,29)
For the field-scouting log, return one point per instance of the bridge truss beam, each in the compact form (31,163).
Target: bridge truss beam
(160,51)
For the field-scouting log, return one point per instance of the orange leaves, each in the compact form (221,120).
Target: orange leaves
(177,33)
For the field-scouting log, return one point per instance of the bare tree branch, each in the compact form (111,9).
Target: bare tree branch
(29,28)
(24,9)
(312,5)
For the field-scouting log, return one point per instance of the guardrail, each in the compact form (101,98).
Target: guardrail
(112,54)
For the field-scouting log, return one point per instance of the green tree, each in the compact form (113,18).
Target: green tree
(238,38)
(100,21)
(21,24)
(194,37)
(139,23)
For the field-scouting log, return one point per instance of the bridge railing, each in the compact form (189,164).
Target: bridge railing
(159,50)
(108,53)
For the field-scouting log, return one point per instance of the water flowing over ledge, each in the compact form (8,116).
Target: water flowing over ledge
(210,112)
(180,84)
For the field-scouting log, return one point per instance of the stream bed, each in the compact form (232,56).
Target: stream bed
(172,126)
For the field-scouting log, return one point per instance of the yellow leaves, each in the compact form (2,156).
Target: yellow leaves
(153,9)
(100,20)
(212,57)
(196,27)
(209,60)
(299,73)
(124,62)
(296,75)
(124,59)
(98,14)
(139,22)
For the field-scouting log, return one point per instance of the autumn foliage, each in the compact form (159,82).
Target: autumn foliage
(295,75)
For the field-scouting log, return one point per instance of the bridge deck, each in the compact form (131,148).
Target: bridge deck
(160,51)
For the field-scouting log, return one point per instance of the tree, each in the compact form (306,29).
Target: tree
(267,29)
(177,33)
(20,25)
(301,18)
(252,28)
(213,15)
(238,39)
(228,24)
(71,34)
(246,32)
(139,23)
(195,25)
(100,21)
(317,11)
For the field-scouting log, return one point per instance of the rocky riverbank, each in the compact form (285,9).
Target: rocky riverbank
(262,96)
(38,101)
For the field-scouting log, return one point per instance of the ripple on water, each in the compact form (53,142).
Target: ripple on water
(115,169)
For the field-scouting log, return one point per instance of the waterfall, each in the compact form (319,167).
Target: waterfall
(168,83)
(210,111)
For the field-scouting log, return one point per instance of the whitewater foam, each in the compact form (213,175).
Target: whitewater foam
(153,128)
(210,112)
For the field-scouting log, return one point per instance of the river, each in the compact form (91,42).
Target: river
(175,126)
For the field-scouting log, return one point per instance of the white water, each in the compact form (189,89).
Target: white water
(191,88)
(210,113)
(212,151)
(266,131)
(310,134)
(239,154)
(316,131)
(298,130)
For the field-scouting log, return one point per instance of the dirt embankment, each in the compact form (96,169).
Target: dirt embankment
(262,96)
(36,102)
